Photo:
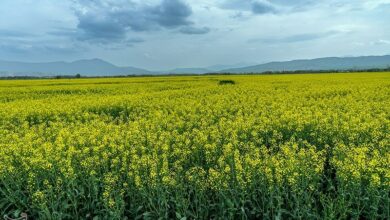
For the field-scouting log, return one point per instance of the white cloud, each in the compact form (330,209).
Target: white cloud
(381,42)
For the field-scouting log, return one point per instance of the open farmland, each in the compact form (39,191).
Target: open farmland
(310,146)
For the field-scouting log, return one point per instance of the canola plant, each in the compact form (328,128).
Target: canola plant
(311,146)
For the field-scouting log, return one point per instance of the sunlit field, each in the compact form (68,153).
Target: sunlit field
(310,146)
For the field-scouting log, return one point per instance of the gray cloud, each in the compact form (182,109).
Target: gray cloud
(295,38)
(13,34)
(296,5)
(63,32)
(238,5)
(112,21)
(294,2)
(258,7)
(263,7)
(171,13)
(18,42)
(194,30)
(26,47)
(381,42)
(101,28)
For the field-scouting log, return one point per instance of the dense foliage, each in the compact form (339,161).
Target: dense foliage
(271,147)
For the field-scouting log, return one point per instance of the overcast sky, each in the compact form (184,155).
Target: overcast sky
(165,34)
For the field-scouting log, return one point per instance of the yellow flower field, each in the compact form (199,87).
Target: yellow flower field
(309,146)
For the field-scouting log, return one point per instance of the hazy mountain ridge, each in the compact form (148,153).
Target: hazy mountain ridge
(98,67)
(202,70)
(93,67)
(328,63)
(188,71)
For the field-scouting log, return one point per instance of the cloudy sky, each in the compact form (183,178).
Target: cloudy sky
(165,34)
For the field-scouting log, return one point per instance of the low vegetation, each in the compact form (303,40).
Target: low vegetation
(227,82)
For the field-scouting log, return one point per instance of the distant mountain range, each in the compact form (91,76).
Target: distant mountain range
(329,63)
(209,69)
(98,67)
(94,67)
(188,71)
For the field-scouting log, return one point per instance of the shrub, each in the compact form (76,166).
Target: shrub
(227,82)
